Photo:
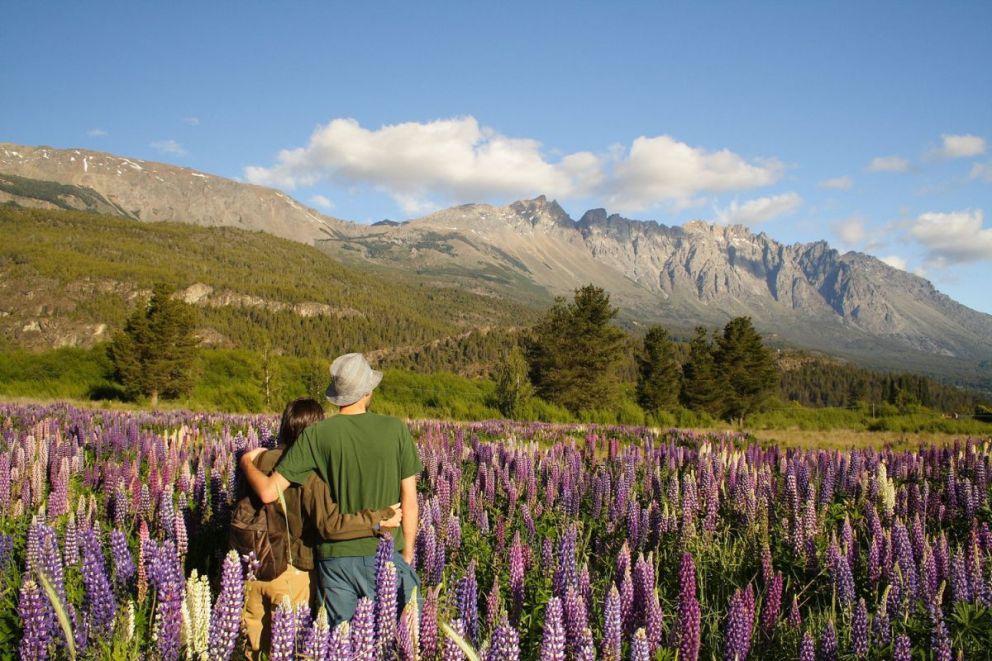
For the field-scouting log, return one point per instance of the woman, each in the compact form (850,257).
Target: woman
(312,517)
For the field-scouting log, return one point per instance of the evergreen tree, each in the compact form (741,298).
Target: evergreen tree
(746,367)
(701,387)
(154,354)
(659,375)
(575,352)
(513,388)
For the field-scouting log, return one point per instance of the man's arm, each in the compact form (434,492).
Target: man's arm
(411,515)
(331,524)
(267,487)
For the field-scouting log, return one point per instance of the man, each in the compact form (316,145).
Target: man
(369,462)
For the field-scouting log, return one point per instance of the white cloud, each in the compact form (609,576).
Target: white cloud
(981,171)
(851,231)
(97,133)
(460,160)
(170,147)
(759,210)
(888,164)
(953,238)
(895,261)
(837,183)
(321,201)
(191,121)
(960,146)
(662,169)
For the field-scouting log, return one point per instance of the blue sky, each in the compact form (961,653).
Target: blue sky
(866,124)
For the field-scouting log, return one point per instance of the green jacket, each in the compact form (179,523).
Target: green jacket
(314,517)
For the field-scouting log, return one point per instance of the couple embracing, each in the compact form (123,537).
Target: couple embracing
(338,477)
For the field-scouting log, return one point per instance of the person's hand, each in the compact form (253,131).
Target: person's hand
(407,554)
(396,519)
(248,458)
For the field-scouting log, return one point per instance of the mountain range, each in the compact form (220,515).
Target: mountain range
(805,295)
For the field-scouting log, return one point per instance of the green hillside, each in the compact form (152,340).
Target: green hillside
(65,274)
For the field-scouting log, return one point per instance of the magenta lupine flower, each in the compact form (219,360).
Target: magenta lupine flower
(37,621)
(337,646)
(773,603)
(505,643)
(467,603)
(902,650)
(795,619)
(516,571)
(807,648)
(828,643)
(100,605)
(386,605)
(283,632)
(689,615)
(180,534)
(494,604)
(449,648)
(363,640)
(640,649)
(859,630)
(740,622)
(225,618)
(612,626)
(429,626)
(58,499)
(553,638)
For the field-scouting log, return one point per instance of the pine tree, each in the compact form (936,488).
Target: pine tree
(659,374)
(746,367)
(575,352)
(154,354)
(701,387)
(513,388)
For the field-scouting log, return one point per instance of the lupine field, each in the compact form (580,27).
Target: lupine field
(537,541)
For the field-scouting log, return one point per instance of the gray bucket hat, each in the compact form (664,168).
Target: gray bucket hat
(351,379)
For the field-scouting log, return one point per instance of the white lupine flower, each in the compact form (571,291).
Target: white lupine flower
(196,616)
(886,490)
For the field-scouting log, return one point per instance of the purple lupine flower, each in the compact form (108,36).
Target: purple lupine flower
(689,615)
(363,640)
(225,618)
(553,638)
(338,645)
(828,643)
(585,649)
(505,643)
(612,626)
(807,648)
(36,621)
(654,621)
(880,626)
(169,585)
(940,640)
(576,617)
(283,632)
(467,603)
(640,649)
(100,605)
(385,609)
(428,625)
(406,634)
(70,544)
(773,603)
(902,650)
(517,569)
(179,530)
(449,648)
(859,630)
(740,622)
(627,602)
(841,572)
(123,565)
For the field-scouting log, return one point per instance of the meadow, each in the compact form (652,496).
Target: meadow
(537,541)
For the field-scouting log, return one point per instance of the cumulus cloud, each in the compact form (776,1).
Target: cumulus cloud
(837,183)
(759,210)
(851,231)
(888,164)
(959,146)
(895,261)
(981,172)
(460,160)
(170,147)
(97,133)
(321,201)
(951,238)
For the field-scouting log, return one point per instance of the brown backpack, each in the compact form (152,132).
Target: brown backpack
(262,529)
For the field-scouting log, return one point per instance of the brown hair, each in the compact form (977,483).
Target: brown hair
(299,414)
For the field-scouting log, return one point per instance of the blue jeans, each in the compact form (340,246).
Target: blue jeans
(343,581)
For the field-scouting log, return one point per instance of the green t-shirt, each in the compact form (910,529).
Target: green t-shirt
(362,458)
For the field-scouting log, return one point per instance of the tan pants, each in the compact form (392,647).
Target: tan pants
(262,598)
